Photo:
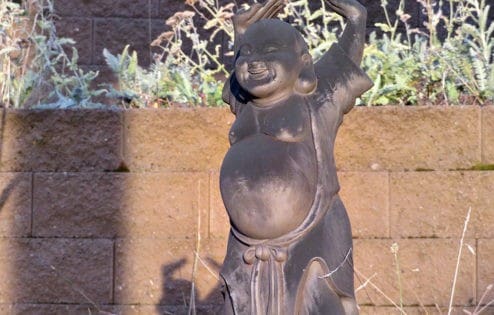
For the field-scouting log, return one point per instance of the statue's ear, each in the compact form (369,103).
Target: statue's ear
(307,80)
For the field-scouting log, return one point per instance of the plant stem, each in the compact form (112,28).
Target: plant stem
(453,287)
(368,280)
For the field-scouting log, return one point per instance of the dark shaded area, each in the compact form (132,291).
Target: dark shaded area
(7,191)
(44,272)
(181,290)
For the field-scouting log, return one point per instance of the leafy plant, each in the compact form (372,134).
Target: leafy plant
(414,67)
(36,69)
(177,76)
(408,66)
(319,27)
(15,51)
(196,76)
(422,69)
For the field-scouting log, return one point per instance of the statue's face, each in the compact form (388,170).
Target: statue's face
(269,62)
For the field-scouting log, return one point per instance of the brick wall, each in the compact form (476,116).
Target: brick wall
(104,210)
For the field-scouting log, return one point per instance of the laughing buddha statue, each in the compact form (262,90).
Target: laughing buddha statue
(290,245)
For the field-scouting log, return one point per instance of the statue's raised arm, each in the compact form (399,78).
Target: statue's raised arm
(338,71)
(245,18)
(352,39)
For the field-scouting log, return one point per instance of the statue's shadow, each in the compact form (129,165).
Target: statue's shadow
(179,296)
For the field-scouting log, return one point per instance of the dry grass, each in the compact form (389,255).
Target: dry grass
(481,307)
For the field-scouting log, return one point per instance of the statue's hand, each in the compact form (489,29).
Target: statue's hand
(244,18)
(351,9)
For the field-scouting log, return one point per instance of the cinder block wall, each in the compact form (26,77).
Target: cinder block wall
(119,211)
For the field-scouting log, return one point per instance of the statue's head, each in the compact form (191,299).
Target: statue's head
(273,62)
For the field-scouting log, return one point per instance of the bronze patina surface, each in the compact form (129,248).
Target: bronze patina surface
(290,246)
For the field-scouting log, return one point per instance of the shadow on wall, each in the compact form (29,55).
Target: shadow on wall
(57,235)
(192,304)
(7,189)
(80,234)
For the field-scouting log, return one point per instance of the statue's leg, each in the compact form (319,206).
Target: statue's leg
(317,296)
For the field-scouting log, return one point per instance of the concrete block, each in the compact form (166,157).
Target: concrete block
(60,140)
(15,204)
(192,139)
(426,271)
(55,271)
(409,138)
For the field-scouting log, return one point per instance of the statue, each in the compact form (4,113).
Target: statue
(290,246)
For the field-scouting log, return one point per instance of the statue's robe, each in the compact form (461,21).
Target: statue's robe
(310,269)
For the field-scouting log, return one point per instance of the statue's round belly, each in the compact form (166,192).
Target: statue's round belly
(268,185)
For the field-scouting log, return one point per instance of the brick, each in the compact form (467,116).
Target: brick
(107,8)
(64,309)
(427,267)
(61,140)
(161,309)
(487,310)
(435,204)
(485,266)
(181,139)
(392,310)
(15,204)
(77,204)
(163,205)
(53,309)
(169,7)
(488,134)
(7,309)
(153,271)
(115,33)
(409,138)
(60,309)
(484,221)
(77,8)
(430,204)
(80,30)
(55,270)
(416,310)
(365,195)
(219,223)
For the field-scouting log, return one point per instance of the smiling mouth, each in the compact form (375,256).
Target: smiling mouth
(258,73)
(257,70)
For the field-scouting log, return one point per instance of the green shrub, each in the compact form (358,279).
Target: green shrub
(408,66)
(177,76)
(421,69)
(36,70)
